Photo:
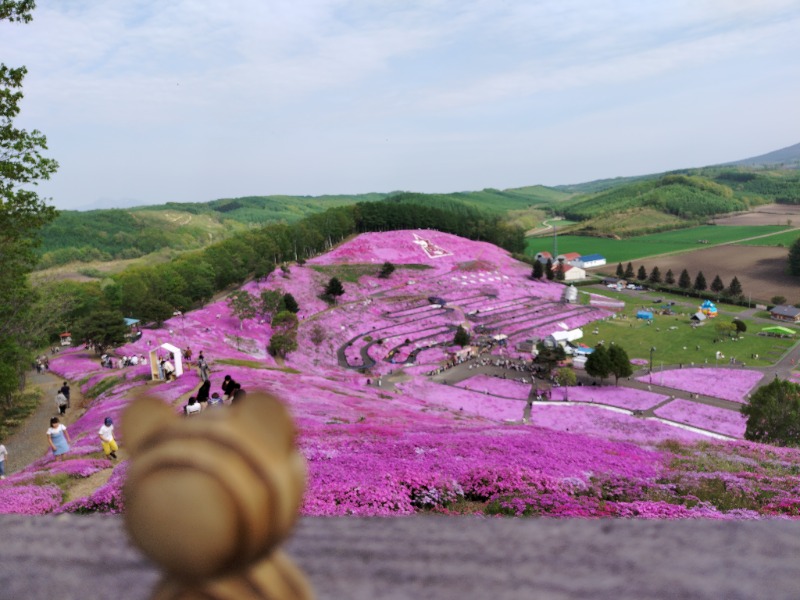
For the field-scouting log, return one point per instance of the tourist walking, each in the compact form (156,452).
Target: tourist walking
(106,433)
(65,390)
(58,438)
(3,456)
(61,402)
(202,367)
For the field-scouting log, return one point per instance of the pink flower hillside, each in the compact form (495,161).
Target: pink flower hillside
(382,438)
(28,499)
(621,397)
(729,384)
(719,420)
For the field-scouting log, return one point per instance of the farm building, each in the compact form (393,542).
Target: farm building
(614,281)
(588,261)
(572,273)
(568,258)
(543,257)
(782,312)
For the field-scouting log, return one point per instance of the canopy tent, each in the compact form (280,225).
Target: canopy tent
(130,322)
(644,314)
(779,330)
(163,351)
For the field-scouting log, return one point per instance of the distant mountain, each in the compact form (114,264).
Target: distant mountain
(787,158)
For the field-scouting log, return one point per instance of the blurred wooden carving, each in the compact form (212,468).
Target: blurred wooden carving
(209,499)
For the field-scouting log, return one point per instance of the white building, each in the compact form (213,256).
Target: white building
(587,261)
(562,338)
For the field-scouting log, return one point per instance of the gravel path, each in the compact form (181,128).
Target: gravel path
(30,440)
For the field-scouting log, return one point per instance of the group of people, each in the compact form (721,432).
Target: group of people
(231,392)
(42,363)
(58,436)
(59,440)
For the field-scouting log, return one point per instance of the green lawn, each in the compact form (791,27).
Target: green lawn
(785,239)
(677,342)
(649,245)
(639,298)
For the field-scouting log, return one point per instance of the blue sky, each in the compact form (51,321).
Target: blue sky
(148,101)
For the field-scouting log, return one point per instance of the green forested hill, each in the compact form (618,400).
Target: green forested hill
(621,207)
(130,233)
(676,200)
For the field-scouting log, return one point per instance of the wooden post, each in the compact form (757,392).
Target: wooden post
(210,499)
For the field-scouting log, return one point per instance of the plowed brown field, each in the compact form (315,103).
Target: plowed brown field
(769,214)
(761,270)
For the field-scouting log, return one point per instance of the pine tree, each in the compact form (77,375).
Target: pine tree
(655,275)
(717,286)
(386,270)
(288,303)
(684,281)
(735,288)
(548,270)
(642,274)
(620,271)
(462,337)
(334,289)
(794,258)
(669,278)
(700,282)
(538,270)
(629,272)
(560,271)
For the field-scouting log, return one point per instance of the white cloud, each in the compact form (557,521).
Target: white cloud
(423,93)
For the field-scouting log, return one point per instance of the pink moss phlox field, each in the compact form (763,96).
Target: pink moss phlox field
(105,499)
(630,398)
(358,469)
(720,420)
(28,499)
(403,443)
(728,384)
(598,421)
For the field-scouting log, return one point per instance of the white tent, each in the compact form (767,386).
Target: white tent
(155,359)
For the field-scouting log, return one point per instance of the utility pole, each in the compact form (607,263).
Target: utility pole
(555,241)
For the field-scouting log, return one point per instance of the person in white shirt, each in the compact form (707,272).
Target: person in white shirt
(194,407)
(106,433)
(3,455)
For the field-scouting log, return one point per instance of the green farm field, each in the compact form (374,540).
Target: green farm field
(680,240)
(677,342)
(784,239)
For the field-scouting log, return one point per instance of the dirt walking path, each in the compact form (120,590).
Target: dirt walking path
(29,442)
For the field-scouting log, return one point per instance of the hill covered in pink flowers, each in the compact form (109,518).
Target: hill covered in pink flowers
(382,437)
